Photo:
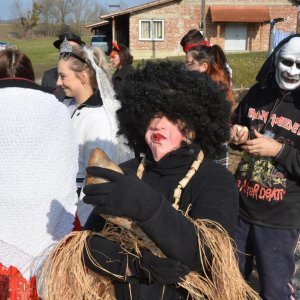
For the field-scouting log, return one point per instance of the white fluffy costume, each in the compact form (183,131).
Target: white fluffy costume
(38,166)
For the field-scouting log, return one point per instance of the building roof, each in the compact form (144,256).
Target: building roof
(241,14)
(98,24)
(137,8)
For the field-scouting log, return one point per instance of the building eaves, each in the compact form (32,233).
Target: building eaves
(137,8)
(243,14)
(98,24)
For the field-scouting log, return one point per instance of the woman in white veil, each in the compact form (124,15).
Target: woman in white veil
(83,74)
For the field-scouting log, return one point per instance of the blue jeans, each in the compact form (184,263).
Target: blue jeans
(274,251)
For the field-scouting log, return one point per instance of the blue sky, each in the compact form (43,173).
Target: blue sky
(6,9)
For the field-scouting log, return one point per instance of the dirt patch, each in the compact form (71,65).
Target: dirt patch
(239,94)
(234,159)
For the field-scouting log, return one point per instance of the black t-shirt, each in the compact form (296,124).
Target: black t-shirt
(270,187)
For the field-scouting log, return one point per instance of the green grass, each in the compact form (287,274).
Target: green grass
(5,30)
(245,67)
(41,51)
(44,56)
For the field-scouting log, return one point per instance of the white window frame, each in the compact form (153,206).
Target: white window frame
(151,21)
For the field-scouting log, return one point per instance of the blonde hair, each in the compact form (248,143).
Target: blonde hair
(99,59)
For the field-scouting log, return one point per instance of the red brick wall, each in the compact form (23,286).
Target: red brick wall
(258,34)
(181,16)
(178,19)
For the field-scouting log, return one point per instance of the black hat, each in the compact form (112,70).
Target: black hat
(70,37)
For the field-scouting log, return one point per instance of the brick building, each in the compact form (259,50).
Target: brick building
(154,29)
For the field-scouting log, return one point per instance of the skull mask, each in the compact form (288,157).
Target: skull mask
(288,65)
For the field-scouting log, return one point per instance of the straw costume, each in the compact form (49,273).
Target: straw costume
(192,255)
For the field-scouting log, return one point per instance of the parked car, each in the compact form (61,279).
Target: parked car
(4,45)
(100,41)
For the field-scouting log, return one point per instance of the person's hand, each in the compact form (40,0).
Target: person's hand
(123,195)
(104,257)
(238,134)
(162,270)
(107,258)
(262,146)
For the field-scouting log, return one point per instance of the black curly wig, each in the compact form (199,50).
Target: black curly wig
(168,88)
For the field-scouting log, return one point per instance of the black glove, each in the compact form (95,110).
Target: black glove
(123,195)
(106,254)
(148,268)
(152,268)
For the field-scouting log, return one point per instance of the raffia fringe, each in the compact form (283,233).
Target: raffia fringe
(66,277)
(224,280)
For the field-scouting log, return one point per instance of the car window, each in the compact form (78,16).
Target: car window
(99,39)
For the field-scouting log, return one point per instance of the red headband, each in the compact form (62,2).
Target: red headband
(113,53)
(115,49)
(115,45)
(187,47)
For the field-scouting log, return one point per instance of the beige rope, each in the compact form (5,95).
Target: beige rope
(182,183)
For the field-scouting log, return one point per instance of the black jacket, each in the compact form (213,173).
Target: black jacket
(212,195)
(49,82)
(270,187)
(119,76)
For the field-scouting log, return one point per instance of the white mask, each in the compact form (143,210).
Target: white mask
(288,65)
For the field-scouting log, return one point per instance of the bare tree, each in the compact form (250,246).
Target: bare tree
(28,18)
(58,15)
(79,11)
(63,9)
(48,17)
(94,11)
(85,11)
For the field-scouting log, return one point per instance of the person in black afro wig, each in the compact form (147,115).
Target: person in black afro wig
(181,114)
(167,88)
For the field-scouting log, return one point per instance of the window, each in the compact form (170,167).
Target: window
(151,30)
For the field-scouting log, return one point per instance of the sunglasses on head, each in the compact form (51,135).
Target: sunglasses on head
(66,56)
